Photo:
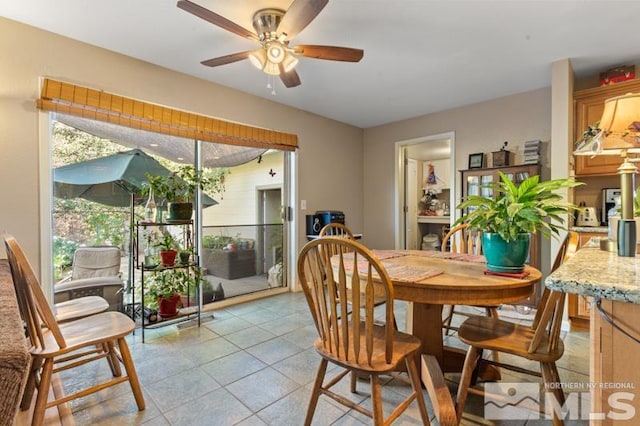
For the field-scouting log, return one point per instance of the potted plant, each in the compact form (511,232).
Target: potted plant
(507,220)
(164,291)
(184,255)
(167,246)
(192,279)
(178,190)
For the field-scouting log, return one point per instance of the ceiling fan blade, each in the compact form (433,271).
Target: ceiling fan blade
(299,15)
(331,53)
(289,79)
(227,59)
(215,19)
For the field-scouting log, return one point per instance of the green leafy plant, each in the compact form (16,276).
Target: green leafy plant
(591,132)
(181,185)
(216,241)
(167,242)
(164,284)
(533,206)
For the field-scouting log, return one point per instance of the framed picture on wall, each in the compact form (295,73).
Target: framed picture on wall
(476,161)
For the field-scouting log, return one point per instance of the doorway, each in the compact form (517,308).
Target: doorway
(413,189)
(270,211)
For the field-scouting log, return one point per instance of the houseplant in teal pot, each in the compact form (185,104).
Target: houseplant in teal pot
(508,220)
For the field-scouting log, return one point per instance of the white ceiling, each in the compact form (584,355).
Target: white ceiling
(421,56)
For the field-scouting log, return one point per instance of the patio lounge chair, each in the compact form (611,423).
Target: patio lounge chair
(96,272)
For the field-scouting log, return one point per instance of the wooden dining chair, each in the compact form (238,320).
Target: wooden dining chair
(62,346)
(70,309)
(340,230)
(355,341)
(460,239)
(539,342)
(337,230)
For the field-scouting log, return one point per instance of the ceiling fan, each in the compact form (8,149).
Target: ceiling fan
(274,29)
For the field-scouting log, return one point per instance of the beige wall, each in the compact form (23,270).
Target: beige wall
(28,54)
(481,127)
(239,204)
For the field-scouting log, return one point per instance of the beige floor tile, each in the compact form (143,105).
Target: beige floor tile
(254,365)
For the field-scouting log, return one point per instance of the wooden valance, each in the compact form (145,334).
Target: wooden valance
(94,104)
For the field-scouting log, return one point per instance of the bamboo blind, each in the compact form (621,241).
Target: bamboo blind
(98,105)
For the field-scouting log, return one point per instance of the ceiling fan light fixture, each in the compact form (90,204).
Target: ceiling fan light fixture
(271,68)
(258,58)
(289,62)
(275,52)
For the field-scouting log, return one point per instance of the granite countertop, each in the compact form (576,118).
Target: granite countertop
(600,274)
(591,229)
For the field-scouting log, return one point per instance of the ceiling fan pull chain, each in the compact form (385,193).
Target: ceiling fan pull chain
(271,84)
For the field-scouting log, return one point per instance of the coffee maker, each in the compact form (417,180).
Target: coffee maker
(608,202)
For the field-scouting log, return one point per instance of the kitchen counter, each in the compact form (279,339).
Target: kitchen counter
(614,367)
(590,229)
(600,274)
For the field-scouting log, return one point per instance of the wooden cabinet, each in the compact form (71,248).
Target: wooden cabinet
(588,107)
(614,365)
(579,307)
(473,182)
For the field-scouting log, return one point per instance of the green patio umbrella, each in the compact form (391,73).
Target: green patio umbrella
(110,180)
(115,180)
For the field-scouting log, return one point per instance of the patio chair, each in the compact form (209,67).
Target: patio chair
(67,310)
(56,347)
(355,342)
(96,272)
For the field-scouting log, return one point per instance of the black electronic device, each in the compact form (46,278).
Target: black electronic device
(608,202)
(314,224)
(330,216)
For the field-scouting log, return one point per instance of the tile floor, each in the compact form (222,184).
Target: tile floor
(254,364)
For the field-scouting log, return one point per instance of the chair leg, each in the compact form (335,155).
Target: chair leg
(131,373)
(551,380)
(376,400)
(315,394)
(470,361)
(492,312)
(446,323)
(32,380)
(354,381)
(417,388)
(112,358)
(43,393)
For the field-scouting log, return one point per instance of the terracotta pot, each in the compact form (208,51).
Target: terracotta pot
(168,308)
(168,257)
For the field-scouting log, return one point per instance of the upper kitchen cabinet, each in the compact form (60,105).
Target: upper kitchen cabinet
(589,104)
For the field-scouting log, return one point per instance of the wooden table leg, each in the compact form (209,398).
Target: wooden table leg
(425,322)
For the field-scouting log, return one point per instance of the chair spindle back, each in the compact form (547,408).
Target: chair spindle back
(340,266)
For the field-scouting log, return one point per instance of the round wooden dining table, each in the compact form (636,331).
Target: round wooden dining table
(432,279)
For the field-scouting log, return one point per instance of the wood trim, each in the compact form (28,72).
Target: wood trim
(94,104)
